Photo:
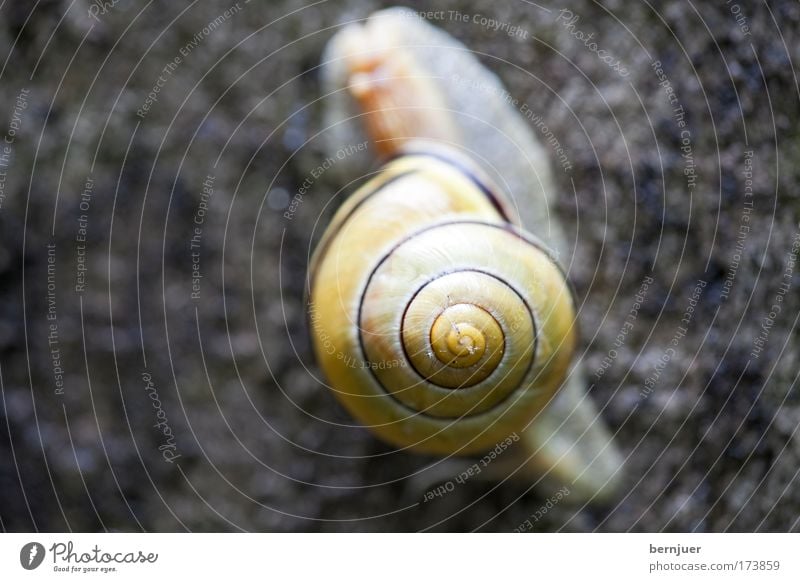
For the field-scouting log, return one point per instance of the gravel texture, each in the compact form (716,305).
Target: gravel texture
(256,442)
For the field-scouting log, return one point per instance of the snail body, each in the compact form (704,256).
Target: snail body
(440,322)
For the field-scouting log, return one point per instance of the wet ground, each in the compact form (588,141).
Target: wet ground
(154,355)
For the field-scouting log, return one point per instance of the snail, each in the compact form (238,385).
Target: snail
(439,313)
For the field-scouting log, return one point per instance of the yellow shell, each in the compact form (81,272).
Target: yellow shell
(439,324)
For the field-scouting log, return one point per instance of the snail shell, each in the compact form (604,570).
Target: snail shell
(434,245)
(440,325)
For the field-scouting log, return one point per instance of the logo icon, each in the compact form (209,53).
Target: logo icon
(31,555)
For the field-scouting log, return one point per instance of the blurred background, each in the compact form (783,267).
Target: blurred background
(155,365)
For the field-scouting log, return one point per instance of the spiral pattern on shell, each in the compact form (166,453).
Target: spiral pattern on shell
(439,324)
